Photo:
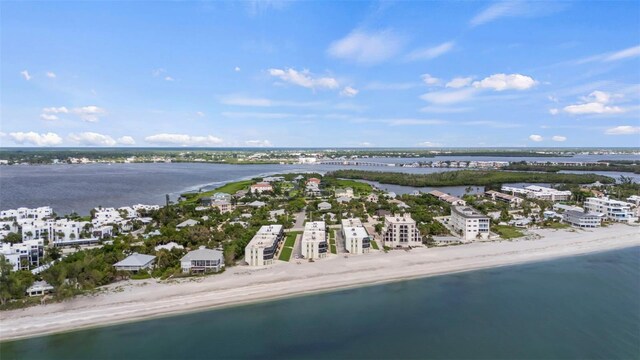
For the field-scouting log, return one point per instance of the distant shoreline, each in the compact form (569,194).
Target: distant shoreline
(142,300)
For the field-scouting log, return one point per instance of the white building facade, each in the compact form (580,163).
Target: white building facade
(356,238)
(261,250)
(400,231)
(314,240)
(469,223)
(614,210)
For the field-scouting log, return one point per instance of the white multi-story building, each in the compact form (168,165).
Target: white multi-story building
(506,198)
(400,231)
(25,254)
(314,240)
(224,206)
(469,223)
(346,192)
(539,193)
(614,210)
(581,219)
(261,250)
(356,238)
(23,213)
(104,216)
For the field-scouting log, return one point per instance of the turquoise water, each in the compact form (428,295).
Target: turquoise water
(584,307)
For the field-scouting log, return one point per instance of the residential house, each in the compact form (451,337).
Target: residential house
(513,201)
(135,262)
(324,206)
(539,193)
(202,261)
(452,200)
(345,192)
(581,219)
(39,288)
(260,188)
(186,223)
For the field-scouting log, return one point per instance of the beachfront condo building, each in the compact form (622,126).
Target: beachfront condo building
(469,223)
(614,210)
(539,193)
(400,231)
(356,238)
(581,219)
(261,250)
(314,240)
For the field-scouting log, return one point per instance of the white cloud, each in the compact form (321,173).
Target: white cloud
(367,47)
(554,111)
(304,78)
(349,92)
(55,110)
(169,78)
(246,101)
(92,139)
(623,54)
(559,138)
(459,82)
(51,74)
(432,52)
(183,140)
(429,144)
(158,72)
(409,122)
(236,69)
(443,109)
(536,138)
(504,9)
(126,140)
(595,103)
(255,115)
(448,97)
(623,130)
(429,80)
(258,143)
(25,74)
(89,113)
(500,82)
(48,117)
(33,138)
(200,113)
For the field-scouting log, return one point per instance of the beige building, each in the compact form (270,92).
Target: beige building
(400,231)
(470,223)
(356,238)
(261,250)
(314,240)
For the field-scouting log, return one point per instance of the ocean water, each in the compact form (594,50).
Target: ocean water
(585,307)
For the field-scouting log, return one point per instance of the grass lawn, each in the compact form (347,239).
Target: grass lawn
(507,232)
(374,245)
(285,254)
(230,188)
(333,249)
(287,248)
(357,186)
(332,242)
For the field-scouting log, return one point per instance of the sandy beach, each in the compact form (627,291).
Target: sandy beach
(141,300)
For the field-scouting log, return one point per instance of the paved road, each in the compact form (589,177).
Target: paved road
(297,249)
(299,223)
(339,242)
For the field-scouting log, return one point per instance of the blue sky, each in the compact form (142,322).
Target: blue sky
(320,74)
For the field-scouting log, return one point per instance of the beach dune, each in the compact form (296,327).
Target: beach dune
(141,300)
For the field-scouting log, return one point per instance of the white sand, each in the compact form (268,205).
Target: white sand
(138,300)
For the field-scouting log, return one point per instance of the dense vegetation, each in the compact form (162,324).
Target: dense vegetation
(555,168)
(469,177)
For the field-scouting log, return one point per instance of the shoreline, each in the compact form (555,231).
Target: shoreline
(133,301)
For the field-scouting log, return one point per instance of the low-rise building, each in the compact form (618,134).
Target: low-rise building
(400,231)
(23,255)
(469,223)
(356,238)
(323,206)
(614,210)
(202,261)
(539,192)
(314,240)
(257,204)
(186,223)
(506,198)
(135,262)
(260,188)
(581,219)
(345,192)
(39,288)
(261,250)
(452,200)
(224,206)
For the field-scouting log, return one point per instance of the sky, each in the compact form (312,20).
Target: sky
(320,74)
